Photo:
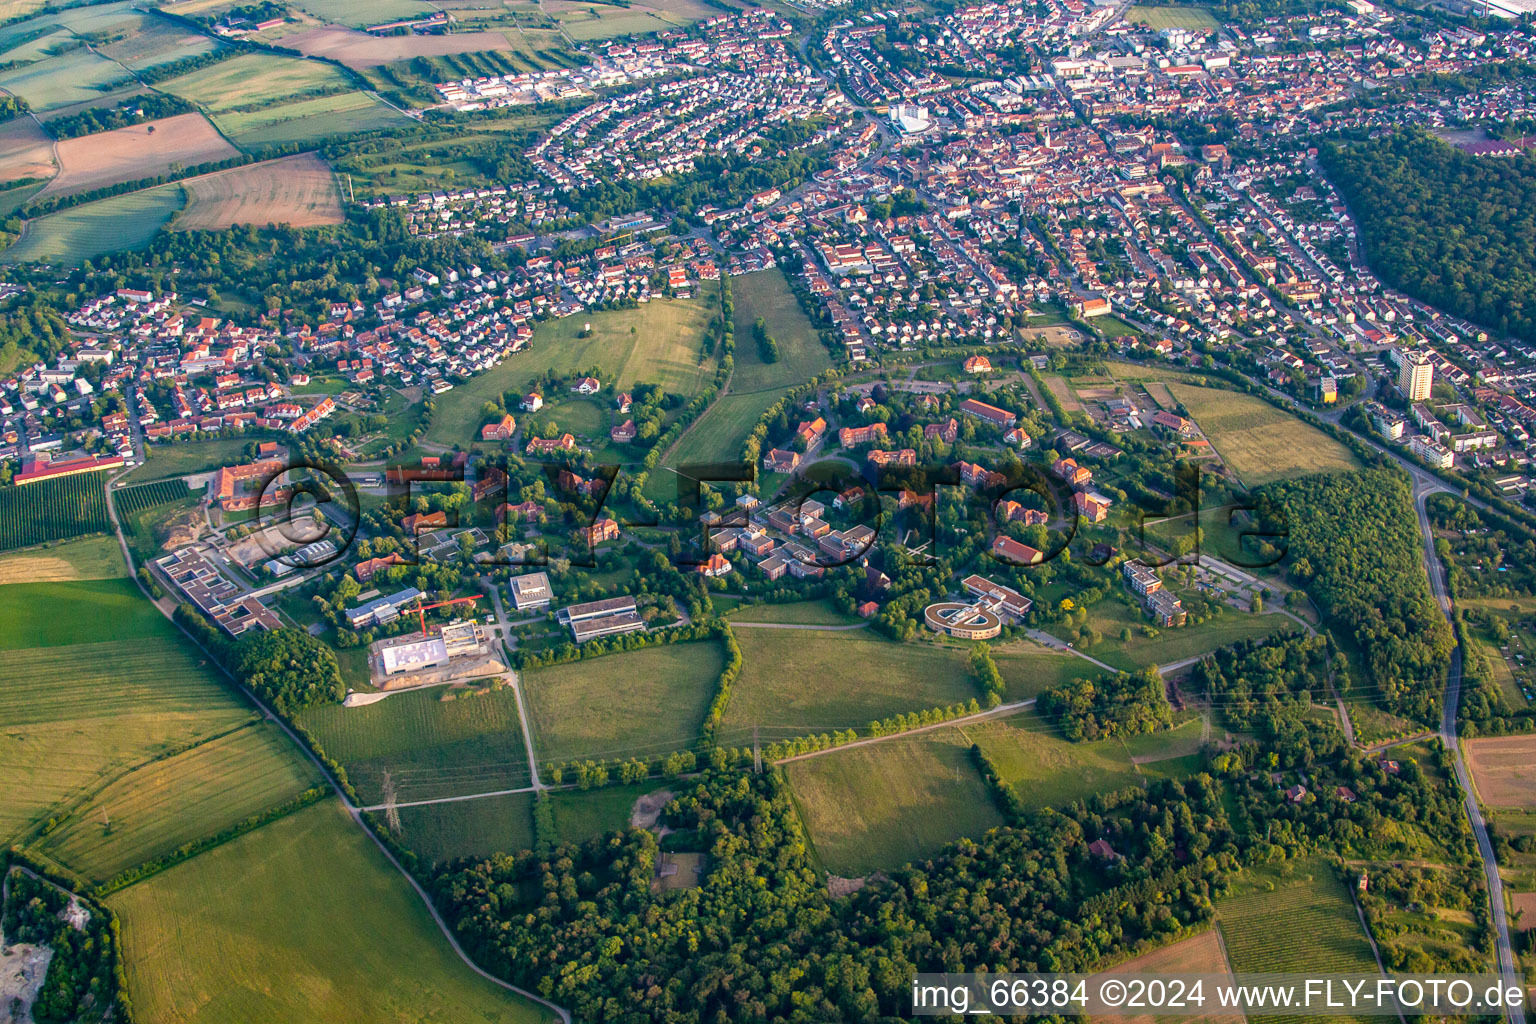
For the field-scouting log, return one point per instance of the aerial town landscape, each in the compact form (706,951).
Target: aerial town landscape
(706,511)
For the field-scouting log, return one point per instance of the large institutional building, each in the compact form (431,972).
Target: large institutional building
(1416,378)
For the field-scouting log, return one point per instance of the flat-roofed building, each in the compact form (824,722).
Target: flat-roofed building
(596,609)
(586,629)
(531,591)
(414,655)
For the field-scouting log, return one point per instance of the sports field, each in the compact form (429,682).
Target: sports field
(431,747)
(637,703)
(89,558)
(308,120)
(798,682)
(1504,770)
(296,190)
(1194,19)
(658,343)
(136,152)
(157,807)
(78,715)
(84,232)
(882,805)
(253,78)
(1259,442)
(302,919)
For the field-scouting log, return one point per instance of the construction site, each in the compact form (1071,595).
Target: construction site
(434,655)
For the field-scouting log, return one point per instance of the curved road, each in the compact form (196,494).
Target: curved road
(353,810)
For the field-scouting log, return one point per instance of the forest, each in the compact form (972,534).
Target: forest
(1451,229)
(1355,547)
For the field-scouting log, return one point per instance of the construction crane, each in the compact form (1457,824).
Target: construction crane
(422,609)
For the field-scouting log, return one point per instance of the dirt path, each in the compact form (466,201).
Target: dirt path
(961,721)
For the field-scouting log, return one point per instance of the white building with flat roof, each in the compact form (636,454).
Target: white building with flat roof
(531,592)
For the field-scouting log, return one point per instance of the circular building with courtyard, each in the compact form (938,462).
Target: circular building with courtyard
(964,621)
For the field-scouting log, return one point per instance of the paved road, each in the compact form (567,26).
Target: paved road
(1057,644)
(1424,486)
(962,720)
(798,625)
(355,812)
(517,688)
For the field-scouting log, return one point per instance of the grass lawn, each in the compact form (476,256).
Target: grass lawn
(581,815)
(58,614)
(431,747)
(88,558)
(159,806)
(1028,670)
(663,348)
(1110,616)
(184,458)
(358,13)
(1259,442)
(816,613)
(302,919)
(636,703)
(84,232)
(885,804)
(1195,19)
(716,436)
(469,828)
(801,681)
(1046,769)
(801,354)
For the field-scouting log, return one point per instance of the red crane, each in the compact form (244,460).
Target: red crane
(422,609)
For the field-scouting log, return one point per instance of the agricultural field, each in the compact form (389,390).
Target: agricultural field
(148,42)
(302,919)
(78,76)
(816,681)
(431,747)
(89,558)
(78,714)
(362,50)
(70,506)
(1259,442)
(253,78)
(26,151)
(158,807)
(1504,770)
(50,614)
(1296,917)
(658,342)
(578,712)
(585,21)
(310,120)
(882,805)
(140,151)
(469,828)
(131,500)
(359,13)
(296,190)
(1194,19)
(1198,954)
(84,232)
